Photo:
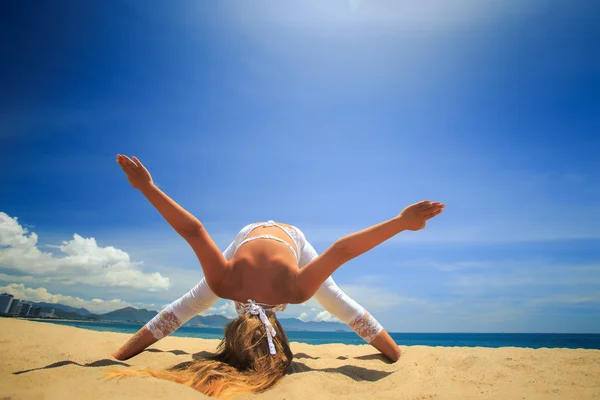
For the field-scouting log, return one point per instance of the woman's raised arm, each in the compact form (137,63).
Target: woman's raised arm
(312,276)
(189,227)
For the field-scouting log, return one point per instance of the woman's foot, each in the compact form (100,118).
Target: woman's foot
(416,215)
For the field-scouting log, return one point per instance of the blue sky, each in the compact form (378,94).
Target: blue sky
(331,116)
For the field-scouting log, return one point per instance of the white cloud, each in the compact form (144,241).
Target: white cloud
(370,294)
(28,279)
(227,309)
(569,300)
(303,316)
(84,262)
(376,298)
(502,276)
(41,294)
(326,317)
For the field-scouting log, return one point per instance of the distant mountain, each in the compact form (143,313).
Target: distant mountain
(211,321)
(219,321)
(71,315)
(142,315)
(294,324)
(129,314)
(56,306)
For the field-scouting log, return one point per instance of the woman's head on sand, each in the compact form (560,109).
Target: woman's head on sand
(243,361)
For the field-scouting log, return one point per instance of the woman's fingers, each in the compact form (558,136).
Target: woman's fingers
(126,166)
(138,162)
(136,173)
(140,165)
(429,207)
(129,162)
(424,204)
(130,166)
(121,163)
(434,213)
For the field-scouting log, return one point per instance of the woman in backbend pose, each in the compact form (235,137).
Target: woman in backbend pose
(266,267)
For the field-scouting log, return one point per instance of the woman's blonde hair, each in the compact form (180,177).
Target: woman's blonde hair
(242,362)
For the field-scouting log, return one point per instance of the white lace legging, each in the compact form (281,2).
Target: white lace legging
(329,295)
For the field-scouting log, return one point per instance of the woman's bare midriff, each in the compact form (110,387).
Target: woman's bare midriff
(263,270)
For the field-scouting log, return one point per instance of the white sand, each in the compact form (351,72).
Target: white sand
(46,361)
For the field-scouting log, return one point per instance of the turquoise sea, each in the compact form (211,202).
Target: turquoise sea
(532,340)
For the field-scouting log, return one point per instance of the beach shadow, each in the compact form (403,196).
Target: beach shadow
(202,354)
(176,352)
(181,366)
(196,356)
(304,355)
(100,363)
(351,371)
(378,356)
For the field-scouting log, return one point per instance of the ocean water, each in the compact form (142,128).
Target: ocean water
(531,340)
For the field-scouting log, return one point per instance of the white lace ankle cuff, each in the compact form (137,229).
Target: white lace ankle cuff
(163,324)
(366,326)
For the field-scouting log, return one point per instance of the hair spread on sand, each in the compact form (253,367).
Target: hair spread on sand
(242,362)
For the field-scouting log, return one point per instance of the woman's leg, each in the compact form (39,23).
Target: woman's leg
(196,301)
(344,308)
(135,345)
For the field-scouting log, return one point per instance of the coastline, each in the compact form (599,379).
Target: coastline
(433,339)
(53,361)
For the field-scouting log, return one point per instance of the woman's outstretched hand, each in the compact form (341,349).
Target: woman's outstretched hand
(416,215)
(137,174)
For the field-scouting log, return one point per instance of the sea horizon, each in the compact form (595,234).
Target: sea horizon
(589,341)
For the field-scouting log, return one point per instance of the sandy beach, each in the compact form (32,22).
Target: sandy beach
(46,361)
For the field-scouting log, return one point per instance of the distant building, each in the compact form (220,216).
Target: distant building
(25,307)
(35,311)
(15,307)
(48,314)
(5,302)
